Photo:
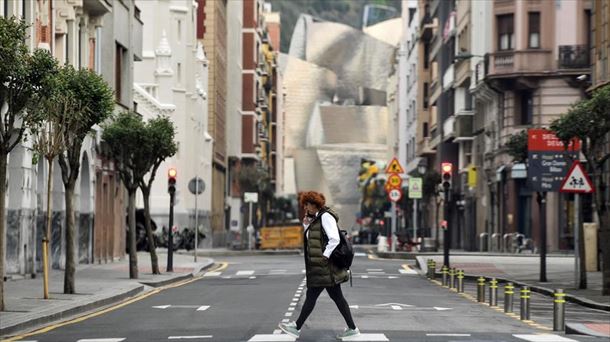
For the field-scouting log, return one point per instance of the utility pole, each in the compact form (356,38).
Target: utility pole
(171,189)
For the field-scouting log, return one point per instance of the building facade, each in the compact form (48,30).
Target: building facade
(212,34)
(104,36)
(171,80)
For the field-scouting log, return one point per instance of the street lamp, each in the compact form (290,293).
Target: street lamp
(422,166)
(464,56)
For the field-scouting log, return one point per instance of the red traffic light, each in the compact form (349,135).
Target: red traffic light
(172,173)
(447,167)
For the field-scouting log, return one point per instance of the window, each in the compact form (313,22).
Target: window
(5,8)
(524,107)
(534,30)
(179,73)
(425,129)
(118,71)
(506,36)
(80,46)
(66,48)
(179,30)
(425,95)
(23,9)
(426,55)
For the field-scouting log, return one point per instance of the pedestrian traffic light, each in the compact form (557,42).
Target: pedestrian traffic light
(171,180)
(446,175)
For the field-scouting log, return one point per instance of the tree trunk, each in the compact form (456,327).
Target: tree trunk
(133,253)
(69,286)
(604,232)
(3,164)
(154,262)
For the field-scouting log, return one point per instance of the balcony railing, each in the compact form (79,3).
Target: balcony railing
(573,56)
(520,61)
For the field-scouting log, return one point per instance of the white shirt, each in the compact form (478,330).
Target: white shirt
(332,232)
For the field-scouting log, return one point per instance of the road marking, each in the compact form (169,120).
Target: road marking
(392,277)
(456,335)
(290,309)
(244,273)
(102,339)
(374,269)
(367,337)
(212,274)
(354,306)
(203,308)
(288,314)
(272,338)
(277,271)
(406,269)
(199,307)
(364,277)
(441,309)
(277,331)
(376,273)
(396,307)
(188,337)
(359,254)
(544,338)
(293,304)
(396,304)
(252,277)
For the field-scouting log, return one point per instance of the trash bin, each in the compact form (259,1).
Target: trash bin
(429,245)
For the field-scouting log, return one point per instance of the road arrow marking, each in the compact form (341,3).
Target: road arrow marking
(188,337)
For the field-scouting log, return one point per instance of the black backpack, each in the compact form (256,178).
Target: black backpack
(343,254)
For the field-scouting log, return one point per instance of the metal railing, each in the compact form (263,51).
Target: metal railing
(573,56)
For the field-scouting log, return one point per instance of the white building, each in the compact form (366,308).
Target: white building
(408,55)
(172,80)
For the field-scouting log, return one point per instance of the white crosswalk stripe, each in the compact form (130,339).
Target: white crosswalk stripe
(119,339)
(543,338)
(272,338)
(212,274)
(189,337)
(244,273)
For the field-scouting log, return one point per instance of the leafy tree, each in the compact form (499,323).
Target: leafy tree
(517,146)
(23,77)
(589,121)
(93,104)
(159,134)
(139,147)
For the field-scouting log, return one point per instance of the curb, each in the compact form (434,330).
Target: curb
(244,253)
(411,255)
(581,329)
(538,289)
(58,316)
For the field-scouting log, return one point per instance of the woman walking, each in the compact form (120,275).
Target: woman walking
(321,238)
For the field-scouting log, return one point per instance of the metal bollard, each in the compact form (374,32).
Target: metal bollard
(525,303)
(452,274)
(460,277)
(481,290)
(559,311)
(508,297)
(444,271)
(433,263)
(493,292)
(429,262)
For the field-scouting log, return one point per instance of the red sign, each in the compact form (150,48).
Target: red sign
(546,140)
(577,180)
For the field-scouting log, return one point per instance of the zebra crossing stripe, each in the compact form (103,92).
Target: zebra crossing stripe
(119,339)
(543,338)
(244,273)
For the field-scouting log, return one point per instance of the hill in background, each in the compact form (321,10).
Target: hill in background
(348,12)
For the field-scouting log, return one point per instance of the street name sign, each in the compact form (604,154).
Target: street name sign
(548,160)
(415,188)
(577,180)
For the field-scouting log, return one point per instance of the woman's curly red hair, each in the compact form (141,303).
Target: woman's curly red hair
(312,197)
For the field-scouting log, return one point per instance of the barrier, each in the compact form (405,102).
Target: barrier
(288,237)
(508,297)
(559,311)
(525,303)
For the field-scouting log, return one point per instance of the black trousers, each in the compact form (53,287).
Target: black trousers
(335,294)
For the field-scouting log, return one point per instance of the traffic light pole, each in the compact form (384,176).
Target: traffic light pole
(446,235)
(170,238)
(542,205)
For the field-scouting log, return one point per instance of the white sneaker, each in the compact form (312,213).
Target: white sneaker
(347,333)
(290,328)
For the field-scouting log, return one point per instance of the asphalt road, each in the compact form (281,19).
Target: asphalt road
(247,298)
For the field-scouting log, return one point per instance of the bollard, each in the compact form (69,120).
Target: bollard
(525,303)
(481,290)
(433,263)
(460,278)
(559,311)
(452,274)
(444,272)
(493,292)
(429,269)
(508,297)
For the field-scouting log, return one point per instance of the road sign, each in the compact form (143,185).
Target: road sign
(548,160)
(577,180)
(415,187)
(196,186)
(395,195)
(394,182)
(251,197)
(394,167)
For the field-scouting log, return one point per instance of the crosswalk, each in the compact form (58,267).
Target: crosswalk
(363,274)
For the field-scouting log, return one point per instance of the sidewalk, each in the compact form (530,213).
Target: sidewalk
(97,285)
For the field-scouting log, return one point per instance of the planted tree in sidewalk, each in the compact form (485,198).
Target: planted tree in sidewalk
(48,143)
(589,121)
(23,76)
(139,148)
(160,144)
(93,103)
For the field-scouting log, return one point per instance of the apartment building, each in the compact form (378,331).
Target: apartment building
(104,36)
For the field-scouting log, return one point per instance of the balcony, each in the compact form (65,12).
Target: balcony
(428,28)
(449,128)
(519,62)
(424,147)
(464,127)
(573,57)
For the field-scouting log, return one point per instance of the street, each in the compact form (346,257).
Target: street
(244,298)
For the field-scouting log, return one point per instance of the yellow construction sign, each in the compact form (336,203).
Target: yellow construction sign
(394,167)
